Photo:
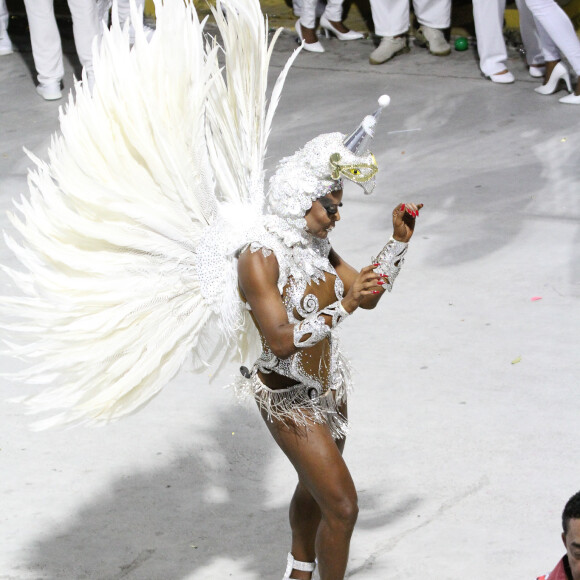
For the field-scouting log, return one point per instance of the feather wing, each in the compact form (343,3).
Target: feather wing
(110,306)
(122,239)
(239,117)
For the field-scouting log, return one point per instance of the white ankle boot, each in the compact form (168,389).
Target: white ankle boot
(296,565)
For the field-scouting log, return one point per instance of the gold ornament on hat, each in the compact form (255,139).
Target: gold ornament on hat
(357,172)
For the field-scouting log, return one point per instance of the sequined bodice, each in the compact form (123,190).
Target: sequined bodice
(308,282)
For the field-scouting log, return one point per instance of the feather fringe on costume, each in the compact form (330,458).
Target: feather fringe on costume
(126,272)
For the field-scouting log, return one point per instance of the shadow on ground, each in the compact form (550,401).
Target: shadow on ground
(207,506)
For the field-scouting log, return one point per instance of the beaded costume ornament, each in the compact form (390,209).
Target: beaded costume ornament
(129,237)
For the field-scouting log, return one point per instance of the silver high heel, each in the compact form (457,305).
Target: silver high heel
(293,564)
(330,29)
(559,73)
(312,47)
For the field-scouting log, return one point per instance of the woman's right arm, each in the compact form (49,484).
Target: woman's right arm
(258,280)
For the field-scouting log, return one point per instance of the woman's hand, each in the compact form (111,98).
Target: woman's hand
(366,283)
(404,216)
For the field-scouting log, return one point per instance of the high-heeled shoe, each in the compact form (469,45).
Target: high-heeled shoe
(536,71)
(572,99)
(310,47)
(558,74)
(293,564)
(329,28)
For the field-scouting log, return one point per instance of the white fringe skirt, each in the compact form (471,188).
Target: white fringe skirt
(296,405)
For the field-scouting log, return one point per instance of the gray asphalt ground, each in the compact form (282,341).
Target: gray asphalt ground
(463,456)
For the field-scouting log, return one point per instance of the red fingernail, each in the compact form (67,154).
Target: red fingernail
(383,275)
(375,265)
(380,282)
(376,291)
(416,213)
(402,207)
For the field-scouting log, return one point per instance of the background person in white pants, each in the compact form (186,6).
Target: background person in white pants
(488,17)
(330,21)
(124,13)
(557,36)
(125,16)
(5,42)
(46,43)
(391,18)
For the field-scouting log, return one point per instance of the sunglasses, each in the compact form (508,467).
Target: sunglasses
(330,207)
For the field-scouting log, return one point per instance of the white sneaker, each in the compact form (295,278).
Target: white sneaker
(389,47)
(5,44)
(434,40)
(50,91)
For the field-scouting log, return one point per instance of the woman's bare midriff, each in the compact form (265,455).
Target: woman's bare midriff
(276,381)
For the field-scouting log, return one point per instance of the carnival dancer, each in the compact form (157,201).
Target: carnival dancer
(298,293)
(148,239)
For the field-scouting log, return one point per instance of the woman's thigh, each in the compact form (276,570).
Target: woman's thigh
(317,458)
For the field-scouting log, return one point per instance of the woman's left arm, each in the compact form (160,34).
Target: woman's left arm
(388,261)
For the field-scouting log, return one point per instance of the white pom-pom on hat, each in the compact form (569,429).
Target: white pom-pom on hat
(384,100)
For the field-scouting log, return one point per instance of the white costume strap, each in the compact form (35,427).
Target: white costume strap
(296,565)
(390,260)
(314,327)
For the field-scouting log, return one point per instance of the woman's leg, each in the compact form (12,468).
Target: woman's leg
(308,21)
(433,13)
(85,30)
(559,28)
(324,508)
(305,516)
(333,11)
(550,51)
(390,18)
(45,40)
(530,35)
(5,42)
(488,20)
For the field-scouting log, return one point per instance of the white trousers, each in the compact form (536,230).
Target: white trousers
(391,17)
(309,9)
(124,9)
(556,31)
(488,17)
(45,38)
(3,18)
